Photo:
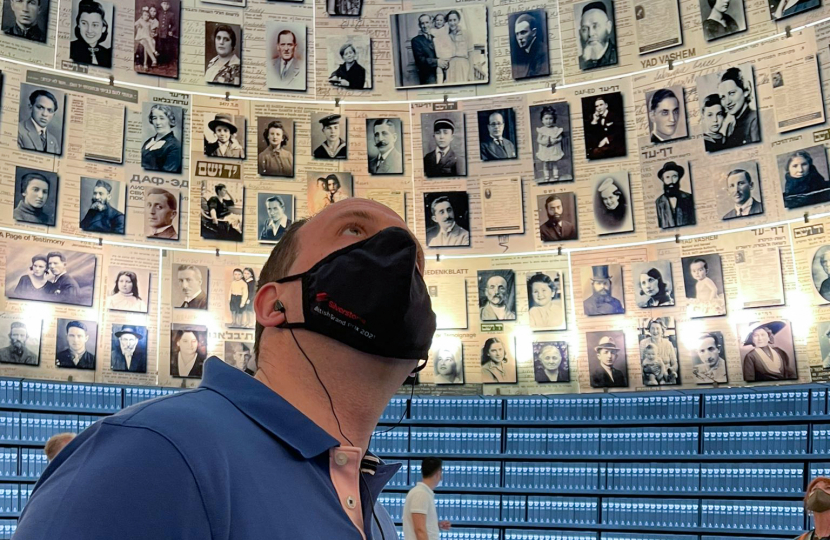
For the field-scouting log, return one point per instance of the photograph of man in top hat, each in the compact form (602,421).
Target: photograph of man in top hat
(529,44)
(73,344)
(675,208)
(598,290)
(444,153)
(607,362)
(328,142)
(99,201)
(129,348)
(221,138)
(27,19)
(594,22)
(40,126)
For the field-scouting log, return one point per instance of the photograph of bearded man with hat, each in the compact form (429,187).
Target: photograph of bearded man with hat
(598,287)
(129,348)
(607,362)
(328,143)
(222,141)
(675,208)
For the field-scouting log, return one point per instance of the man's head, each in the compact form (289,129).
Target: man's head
(432,469)
(601,280)
(610,194)
(286,45)
(442,213)
(101,195)
(495,125)
(128,340)
(57,262)
(525,30)
(606,351)
(664,112)
(162,208)
(670,174)
(330,125)
(825,262)
(56,443)
(554,208)
(42,107)
(712,114)
(190,280)
(25,12)
(18,335)
(739,186)
(385,134)
(708,349)
(76,336)
(496,291)
(443,131)
(600,106)
(333,183)
(276,208)
(35,189)
(423,23)
(595,29)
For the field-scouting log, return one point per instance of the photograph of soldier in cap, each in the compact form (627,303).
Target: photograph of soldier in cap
(447,218)
(40,119)
(497,295)
(35,196)
(603,121)
(612,208)
(598,284)
(557,217)
(328,135)
(666,114)
(75,340)
(384,145)
(675,207)
(596,29)
(129,348)
(102,205)
(19,340)
(225,136)
(607,362)
(529,56)
(443,137)
(496,133)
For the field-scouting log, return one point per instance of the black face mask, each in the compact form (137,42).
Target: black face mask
(370,296)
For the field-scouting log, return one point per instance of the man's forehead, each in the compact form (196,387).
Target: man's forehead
(497,278)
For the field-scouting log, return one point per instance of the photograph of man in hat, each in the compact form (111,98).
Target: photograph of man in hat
(129,348)
(223,142)
(441,156)
(675,208)
(595,27)
(608,365)
(598,287)
(329,144)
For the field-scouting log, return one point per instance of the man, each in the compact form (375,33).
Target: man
(614,208)
(334,194)
(442,161)
(33,133)
(168,30)
(445,232)
(596,35)
(34,191)
(333,147)
(606,375)
(605,135)
(161,212)
(129,355)
(712,366)
(497,147)
(64,288)
(423,51)
(388,159)
(739,185)
(675,208)
(24,23)
(190,283)
(556,228)
(824,290)
(663,114)
(530,59)
(601,301)
(286,440)
(420,518)
(496,308)
(278,222)
(101,217)
(17,352)
(75,355)
(288,72)
(56,443)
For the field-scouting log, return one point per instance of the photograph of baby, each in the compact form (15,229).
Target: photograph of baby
(703,279)
(658,351)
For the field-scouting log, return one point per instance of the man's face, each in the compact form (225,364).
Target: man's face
(56,266)
(595,28)
(707,351)
(732,96)
(42,111)
(524,34)
(385,137)
(223,134)
(423,23)
(333,187)
(443,137)
(332,132)
(165,6)
(825,263)
(551,358)
(739,188)
(158,212)
(600,106)
(25,12)
(188,344)
(286,46)
(610,199)
(602,287)
(495,125)
(128,344)
(18,337)
(37,193)
(496,290)
(444,216)
(76,339)
(606,357)
(275,211)
(670,179)
(555,209)
(100,198)
(664,117)
(190,282)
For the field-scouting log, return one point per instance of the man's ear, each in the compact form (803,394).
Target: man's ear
(267,306)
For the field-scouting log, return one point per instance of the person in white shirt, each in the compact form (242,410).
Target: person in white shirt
(420,518)
(446,231)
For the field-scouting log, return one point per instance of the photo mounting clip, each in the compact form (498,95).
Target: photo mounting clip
(337,102)
(217,252)
(112,80)
(553,88)
(559,250)
(446,100)
(806,217)
(676,238)
(227,96)
(70,378)
(184,383)
(788,30)
(437,257)
(100,241)
(671,64)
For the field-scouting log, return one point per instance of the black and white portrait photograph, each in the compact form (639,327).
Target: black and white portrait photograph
(666,114)
(275,146)
(767,351)
(497,134)
(822,330)
(556,216)
(546,300)
(275,212)
(384,145)
(102,205)
(703,280)
(157,31)
(447,219)
(236,3)
(222,207)
(128,289)
(708,355)
(498,364)
(344,8)
(497,295)
(223,53)
(602,290)
(781,9)
(224,135)
(443,140)
(805,177)
(128,346)
(26,19)
(188,350)
(820,271)
(92,32)
(189,286)
(162,133)
(741,195)
(49,274)
(551,363)
(325,188)
(35,196)
(447,358)
(161,212)
(329,135)
(550,127)
(40,119)
(603,120)
(76,344)
(658,351)
(597,31)
(350,61)
(735,88)
(446,47)
(721,18)
(675,207)
(240,289)
(19,339)
(607,361)
(287,56)
(653,283)
(240,354)
(612,203)
(529,54)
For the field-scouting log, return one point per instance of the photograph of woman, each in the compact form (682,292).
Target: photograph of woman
(276,157)
(496,365)
(226,41)
(126,294)
(653,283)
(767,352)
(550,362)
(802,178)
(91,33)
(188,351)
(658,352)
(221,141)
(34,285)
(350,73)
(221,216)
(162,151)
(720,21)
(735,87)
(547,308)
(449,363)
(145,27)
(781,9)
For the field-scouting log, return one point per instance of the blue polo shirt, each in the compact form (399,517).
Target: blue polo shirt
(228,460)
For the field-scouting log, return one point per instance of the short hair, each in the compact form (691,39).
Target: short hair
(287,32)
(166,109)
(734,74)
(219,187)
(656,320)
(92,7)
(334,178)
(235,270)
(230,32)
(547,110)
(182,332)
(133,277)
(699,260)
(712,100)
(28,177)
(275,124)
(802,154)
(442,198)
(708,335)
(600,98)
(105,185)
(422,15)
(76,324)
(384,121)
(740,171)
(542,278)
(169,197)
(186,267)
(38,258)
(40,92)
(57,254)
(552,198)
(430,466)
(346,47)
(660,95)
(650,347)
(528,18)
(321,179)
(18,324)
(56,443)
(275,199)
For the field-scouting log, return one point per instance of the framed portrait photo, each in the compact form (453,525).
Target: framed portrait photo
(443,140)
(666,114)
(26,19)
(224,135)
(603,122)
(447,359)
(49,274)
(767,351)
(128,346)
(497,134)
(275,213)
(556,216)
(703,280)
(349,61)
(275,146)
(804,177)
(35,196)
(602,290)
(546,300)
(741,185)
(103,203)
(189,286)
(550,126)
(188,350)
(223,52)
(659,362)
(161,212)
(708,356)
(128,289)
(607,360)
(596,32)
(162,131)
(76,344)
(20,339)
(653,283)
(529,54)
(222,210)
(498,363)
(612,203)
(722,18)
(551,363)
(329,136)
(93,32)
(41,113)
(343,8)
(287,55)
(497,295)
(447,219)
(384,145)
(156,38)
(327,188)
(728,98)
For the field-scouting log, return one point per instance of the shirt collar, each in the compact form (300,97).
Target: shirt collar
(186,299)
(747,206)
(386,155)
(39,129)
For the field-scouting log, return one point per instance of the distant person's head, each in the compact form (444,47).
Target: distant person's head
(550,357)
(699,269)
(548,116)
(651,283)
(275,134)
(56,443)
(817,495)
(187,342)
(712,114)
(223,127)
(443,130)
(708,350)
(330,125)
(286,45)
(162,208)
(57,262)
(601,280)
(153,12)
(799,165)
(76,336)
(128,338)
(423,22)
(18,336)
(333,183)
(525,30)
(35,188)
(825,262)
(606,351)
(276,208)
(600,106)
(656,328)
(432,470)
(42,107)
(385,134)
(496,291)
(739,186)
(734,91)
(162,118)
(442,213)
(190,280)
(446,365)
(495,125)
(126,283)
(610,194)
(762,337)
(453,20)
(165,5)
(248,273)
(664,113)
(670,174)
(25,12)
(554,208)
(101,194)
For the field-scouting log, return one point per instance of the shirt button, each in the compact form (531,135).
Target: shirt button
(341,458)
(350,502)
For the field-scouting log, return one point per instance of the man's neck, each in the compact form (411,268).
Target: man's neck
(76,354)
(37,127)
(530,45)
(431,483)
(160,229)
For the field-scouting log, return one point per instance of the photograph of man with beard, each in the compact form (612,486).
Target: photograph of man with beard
(675,208)
(129,348)
(446,215)
(611,209)
(556,223)
(497,295)
(98,212)
(22,348)
(598,289)
(666,114)
(603,123)
(597,40)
